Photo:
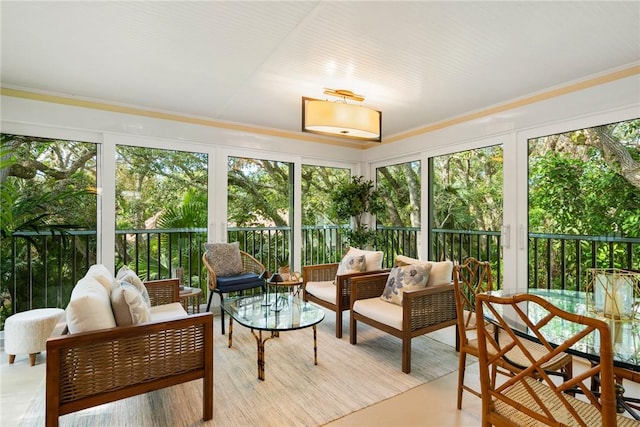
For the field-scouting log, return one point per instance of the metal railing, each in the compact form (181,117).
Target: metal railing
(43,267)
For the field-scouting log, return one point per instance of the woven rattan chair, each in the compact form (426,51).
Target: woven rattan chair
(332,297)
(531,396)
(469,279)
(422,311)
(248,279)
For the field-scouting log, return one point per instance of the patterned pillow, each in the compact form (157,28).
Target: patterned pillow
(373,258)
(224,258)
(127,275)
(351,264)
(405,278)
(129,308)
(441,272)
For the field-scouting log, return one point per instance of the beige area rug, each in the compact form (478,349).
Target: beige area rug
(295,391)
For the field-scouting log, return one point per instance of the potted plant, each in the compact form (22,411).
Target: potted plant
(352,200)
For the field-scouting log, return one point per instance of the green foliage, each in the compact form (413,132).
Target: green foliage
(399,186)
(351,200)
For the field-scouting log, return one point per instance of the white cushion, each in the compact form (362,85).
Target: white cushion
(102,275)
(325,291)
(441,272)
(351,264)
(373,259)
(167,312)
(129,308)
(383,312)
(90,307)
(128,275)
(405,278)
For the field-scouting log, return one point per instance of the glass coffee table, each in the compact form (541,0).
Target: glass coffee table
(258,314)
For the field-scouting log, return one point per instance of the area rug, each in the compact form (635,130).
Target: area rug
(295,391)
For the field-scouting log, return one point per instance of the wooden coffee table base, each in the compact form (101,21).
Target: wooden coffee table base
(261,341)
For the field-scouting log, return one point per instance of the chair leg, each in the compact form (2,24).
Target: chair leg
(353,330)
(210,298)
(462,362)
(406,354)
(221,313)
(338,323)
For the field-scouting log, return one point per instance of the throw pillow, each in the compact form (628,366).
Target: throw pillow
(373,258)
(224,258)
(89,308)
(351,264)
(102,275)
(129,308)
(441,271)
(405,278)
(128,275)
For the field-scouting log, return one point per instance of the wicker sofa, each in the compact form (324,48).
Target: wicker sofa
(422,311)
(90,368)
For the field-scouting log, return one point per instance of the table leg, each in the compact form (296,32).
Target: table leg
(260,342)
(315,346)
(230,339)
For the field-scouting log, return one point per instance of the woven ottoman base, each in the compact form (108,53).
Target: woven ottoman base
(27,332)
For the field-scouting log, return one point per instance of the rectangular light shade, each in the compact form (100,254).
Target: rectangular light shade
(341,120)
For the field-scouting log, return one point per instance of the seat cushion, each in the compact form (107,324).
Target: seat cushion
(239,282)
(167,312)
(326,291)
(381,311)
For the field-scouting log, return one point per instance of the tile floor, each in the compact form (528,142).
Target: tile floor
(431,404)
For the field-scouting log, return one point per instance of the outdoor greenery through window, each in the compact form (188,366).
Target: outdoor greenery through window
(398,224)
(48,219)
(161,213)
(584,204)
(321,240)
(260,208)
(466,210)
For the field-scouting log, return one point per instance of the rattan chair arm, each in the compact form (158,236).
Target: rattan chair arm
(163,291)
(84,365)
(319,272)
(429,306)
(367,286)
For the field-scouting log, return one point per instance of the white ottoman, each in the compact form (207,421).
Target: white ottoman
(27,332)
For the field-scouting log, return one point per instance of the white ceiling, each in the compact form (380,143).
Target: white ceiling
(251,62)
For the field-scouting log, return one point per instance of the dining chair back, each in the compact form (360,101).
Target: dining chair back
(470,279)
(532,396)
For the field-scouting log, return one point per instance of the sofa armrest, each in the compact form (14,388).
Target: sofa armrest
(90,368)
(367,286)
(430,306)
(163,291)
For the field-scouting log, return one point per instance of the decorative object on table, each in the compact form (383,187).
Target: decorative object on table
(178,273)
(614,293)
(274,280)
(283,266)
(264,276)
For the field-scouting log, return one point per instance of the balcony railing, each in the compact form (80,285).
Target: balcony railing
(43,268)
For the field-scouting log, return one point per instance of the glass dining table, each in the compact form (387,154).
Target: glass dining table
(625,334)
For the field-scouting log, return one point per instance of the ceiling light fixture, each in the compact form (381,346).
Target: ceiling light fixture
(337,118)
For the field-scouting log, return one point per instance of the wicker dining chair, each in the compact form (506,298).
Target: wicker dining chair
(531,396)
(469,279)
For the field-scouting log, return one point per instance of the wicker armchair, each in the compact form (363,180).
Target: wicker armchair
(422,311)
(470,279)
(326,294)
(91,368)
(248,279)
(531,396)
